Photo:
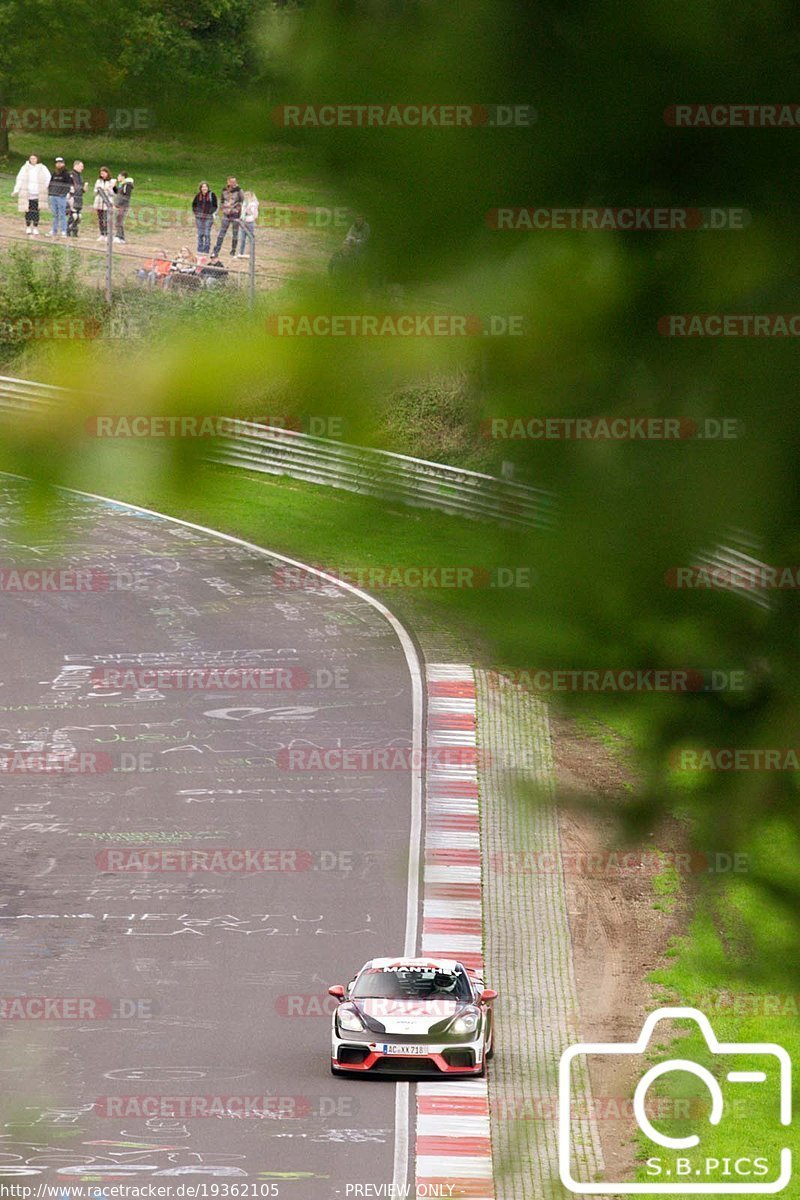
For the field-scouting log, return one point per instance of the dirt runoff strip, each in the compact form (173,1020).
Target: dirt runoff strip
(528,951)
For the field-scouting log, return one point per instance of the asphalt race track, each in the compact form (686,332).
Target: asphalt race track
(200,987)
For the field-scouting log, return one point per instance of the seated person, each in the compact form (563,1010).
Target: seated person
(184,269)
(184,261)
(155,270)
(213,273)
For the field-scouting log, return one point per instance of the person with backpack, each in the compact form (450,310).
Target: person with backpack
(204,207)
(247,223)
(232,199)
(103,201)
(75,198)
(122,201)
(57,192)
(31,186)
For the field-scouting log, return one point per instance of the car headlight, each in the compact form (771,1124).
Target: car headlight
(349,1019)
(466,1022)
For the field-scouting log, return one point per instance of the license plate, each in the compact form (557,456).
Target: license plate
(396,1048)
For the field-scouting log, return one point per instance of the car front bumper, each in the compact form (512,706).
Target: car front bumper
(356,1053)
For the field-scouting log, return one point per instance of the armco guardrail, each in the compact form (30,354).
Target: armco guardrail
(735,569)
(404,480)
(393,477)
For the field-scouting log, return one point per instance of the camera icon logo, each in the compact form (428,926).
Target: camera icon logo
(679,1165)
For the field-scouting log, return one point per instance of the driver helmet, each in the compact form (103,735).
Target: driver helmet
(443,981)
(415,980)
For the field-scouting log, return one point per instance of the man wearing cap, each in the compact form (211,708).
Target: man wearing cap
(58,189)
(75,198)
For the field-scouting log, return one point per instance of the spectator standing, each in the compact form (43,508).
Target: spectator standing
(204,207)
(31,186)
(349,261)
(103,201)
(248,222)
(75,198)
(57,191)
(232,199)
(122,201)
(355,241)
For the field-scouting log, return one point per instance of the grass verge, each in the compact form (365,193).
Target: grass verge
(711,969)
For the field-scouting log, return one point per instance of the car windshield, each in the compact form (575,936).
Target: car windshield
(411,983)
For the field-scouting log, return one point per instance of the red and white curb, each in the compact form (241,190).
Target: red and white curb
(453,1146)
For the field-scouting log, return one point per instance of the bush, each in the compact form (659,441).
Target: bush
(39,291)
(437,419)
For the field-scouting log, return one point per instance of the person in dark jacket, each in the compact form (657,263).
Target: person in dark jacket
(122,201)
(75,198)
(232,199)
(204,206)
(57,192)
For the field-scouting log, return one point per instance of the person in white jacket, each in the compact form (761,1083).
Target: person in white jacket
(247,223)
(31,188)
(103,201)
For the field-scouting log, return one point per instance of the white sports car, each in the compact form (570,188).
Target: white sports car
(416,1015)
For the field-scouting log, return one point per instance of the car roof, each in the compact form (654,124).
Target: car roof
(439,964)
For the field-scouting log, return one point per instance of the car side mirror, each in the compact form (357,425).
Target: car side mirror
(487,994)
(336,990)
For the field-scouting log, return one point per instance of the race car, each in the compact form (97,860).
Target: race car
(417,1016)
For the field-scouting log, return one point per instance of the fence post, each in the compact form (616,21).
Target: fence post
(109,248)
(251,284)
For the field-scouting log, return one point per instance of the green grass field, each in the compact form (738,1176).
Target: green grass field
(167,171)
(712,969)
